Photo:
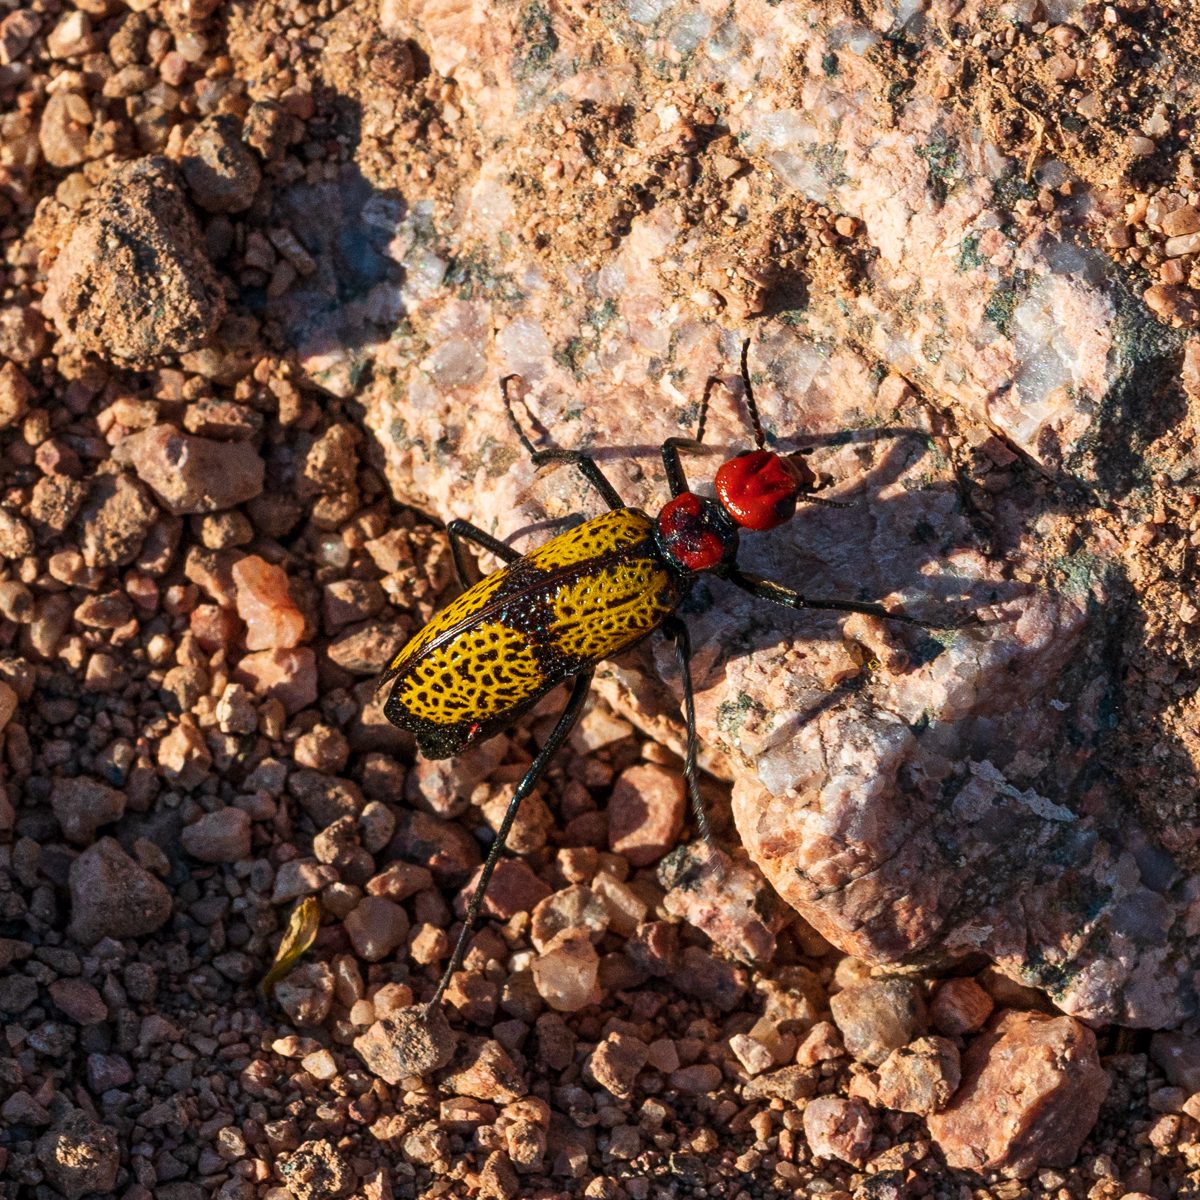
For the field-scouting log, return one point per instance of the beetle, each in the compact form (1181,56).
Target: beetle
(585,595)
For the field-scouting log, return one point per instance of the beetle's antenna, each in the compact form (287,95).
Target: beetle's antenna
(759,438)
(710,383)
(512,416)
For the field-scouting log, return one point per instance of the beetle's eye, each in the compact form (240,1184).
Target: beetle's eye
(759,489)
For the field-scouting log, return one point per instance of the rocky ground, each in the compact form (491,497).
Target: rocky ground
(263,264)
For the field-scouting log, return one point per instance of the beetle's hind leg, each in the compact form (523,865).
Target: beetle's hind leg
(585,464)
(460,532)
(677,631)
(558,735)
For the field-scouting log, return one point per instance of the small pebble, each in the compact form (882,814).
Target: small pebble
(264,603)
(219,837)
(822,1043)
(399,880)
(699,1079)
(645,813)
(190,474)
(317,1170)
(959,1006)
(83,804)
(112,896)
(575,907)
(410,1042)
(752,1054)
(376,927)
(920,1077)
(15,394)
(616,1062)
(488,1072)
(221,172)
(80,1155)
(788,1083)
(839,1128)
(320,1065)
(306,994)
(286,675)
(79,1000)
(878,1016)
(566,972)
(106,1071)
(514,888)
(17,30)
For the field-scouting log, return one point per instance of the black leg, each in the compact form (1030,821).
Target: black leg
(767,589)
(585,464)
(805,498)
(587,467)
(676,480)
(558,735)
(460,531)
(677,631)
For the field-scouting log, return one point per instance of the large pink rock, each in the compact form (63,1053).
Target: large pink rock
(1031,1091)
(919,798)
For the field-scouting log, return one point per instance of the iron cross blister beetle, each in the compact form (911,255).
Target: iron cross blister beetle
(553,614)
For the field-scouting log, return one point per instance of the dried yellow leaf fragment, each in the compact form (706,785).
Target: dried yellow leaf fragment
(300,933)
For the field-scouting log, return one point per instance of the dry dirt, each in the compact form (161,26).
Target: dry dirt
(136,657)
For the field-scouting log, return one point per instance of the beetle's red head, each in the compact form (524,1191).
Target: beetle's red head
(759,489)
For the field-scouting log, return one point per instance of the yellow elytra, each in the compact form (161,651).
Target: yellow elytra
(486,658)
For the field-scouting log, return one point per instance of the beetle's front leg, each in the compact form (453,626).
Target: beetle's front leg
(583,463)
(676,479)
(587,467)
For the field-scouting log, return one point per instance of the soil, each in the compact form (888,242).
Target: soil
(237,703)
